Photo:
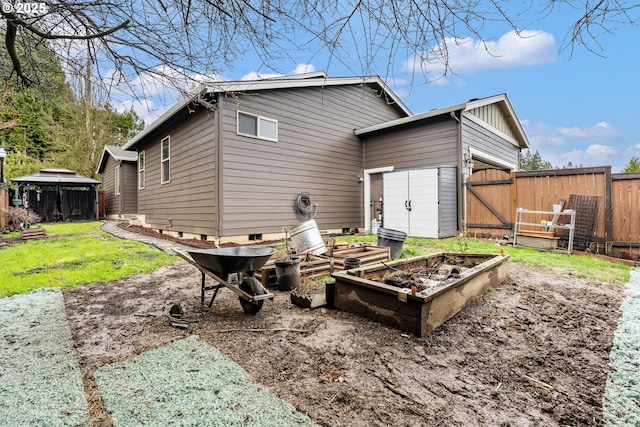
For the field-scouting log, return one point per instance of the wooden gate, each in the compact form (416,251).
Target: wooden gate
(490,203)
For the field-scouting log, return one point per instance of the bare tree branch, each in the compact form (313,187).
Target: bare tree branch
(180,39)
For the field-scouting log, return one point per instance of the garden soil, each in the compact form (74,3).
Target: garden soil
(533,351)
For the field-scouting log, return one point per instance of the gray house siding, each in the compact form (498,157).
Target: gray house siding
(129,188)
(317,152)
(187,202)
(413,147)
(111,200)
(481,138)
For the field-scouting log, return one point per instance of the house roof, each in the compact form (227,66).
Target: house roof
(317,79)
(502,100)
(56,176)
(118,153)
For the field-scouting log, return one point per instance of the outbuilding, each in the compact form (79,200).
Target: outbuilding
(57,194)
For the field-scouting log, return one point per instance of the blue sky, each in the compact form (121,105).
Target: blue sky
(577,107)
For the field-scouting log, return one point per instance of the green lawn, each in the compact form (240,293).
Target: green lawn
(579,265)
(74,254)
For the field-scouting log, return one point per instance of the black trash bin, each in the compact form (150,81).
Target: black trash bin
(393,239)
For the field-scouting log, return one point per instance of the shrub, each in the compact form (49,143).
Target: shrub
(20,218)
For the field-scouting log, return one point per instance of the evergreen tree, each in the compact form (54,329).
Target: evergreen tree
(633,165)
(533,162)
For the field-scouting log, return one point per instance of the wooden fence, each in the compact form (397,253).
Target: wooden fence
(4,205)
(493,196)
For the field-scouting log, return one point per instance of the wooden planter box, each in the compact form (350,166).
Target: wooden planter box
(33,233)
(361,291)
(538,240)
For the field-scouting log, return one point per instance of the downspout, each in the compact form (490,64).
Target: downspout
(218,164)
(461,194)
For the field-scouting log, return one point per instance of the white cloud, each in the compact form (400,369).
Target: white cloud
(544,135)
(599,131)
(599,150)
(599,145)
(467,55)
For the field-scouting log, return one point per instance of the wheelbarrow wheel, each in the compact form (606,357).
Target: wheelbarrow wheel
(252,286)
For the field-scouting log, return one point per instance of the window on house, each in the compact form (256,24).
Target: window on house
(117,180)
(165,158)
(141,167)
(257,126)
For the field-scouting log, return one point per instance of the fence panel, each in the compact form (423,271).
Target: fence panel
(539,190)
(489,201)
(534,190)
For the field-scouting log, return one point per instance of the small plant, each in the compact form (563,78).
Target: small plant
(462,241)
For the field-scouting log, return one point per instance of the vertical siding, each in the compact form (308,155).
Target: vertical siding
(426,145)
(317,152)
(189,199)
(447,202)
(494,115)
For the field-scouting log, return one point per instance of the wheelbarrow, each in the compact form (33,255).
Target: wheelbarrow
(220,263)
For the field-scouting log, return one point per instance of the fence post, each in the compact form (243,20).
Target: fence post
(4,205)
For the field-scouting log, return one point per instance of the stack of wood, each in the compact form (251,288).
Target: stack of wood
(319,265)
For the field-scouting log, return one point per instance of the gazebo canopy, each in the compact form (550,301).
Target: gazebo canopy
(55,176)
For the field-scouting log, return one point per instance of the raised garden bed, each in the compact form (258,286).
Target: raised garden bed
(434,288)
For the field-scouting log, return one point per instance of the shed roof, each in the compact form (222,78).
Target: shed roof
(501,99)
(56,176)
(118,153)
(316,79)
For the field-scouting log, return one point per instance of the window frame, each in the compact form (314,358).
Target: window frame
(116,180)
(258,119)
(142,170)
(167,179)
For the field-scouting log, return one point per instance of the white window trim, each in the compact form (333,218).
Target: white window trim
(168,159)
(117,181)
(142,184)
(258,119)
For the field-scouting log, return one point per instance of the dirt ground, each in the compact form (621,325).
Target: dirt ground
(532,352)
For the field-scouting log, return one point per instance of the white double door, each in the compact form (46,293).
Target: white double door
(411,202)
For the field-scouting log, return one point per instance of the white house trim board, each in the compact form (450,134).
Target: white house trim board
(367,193)
(479,121)
(477,154)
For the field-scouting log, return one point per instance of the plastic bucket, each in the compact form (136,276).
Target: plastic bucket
(288,273)
(392,239)
(306,237)
(350,263)
(375,225)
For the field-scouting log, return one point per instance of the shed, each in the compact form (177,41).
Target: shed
(58,194)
